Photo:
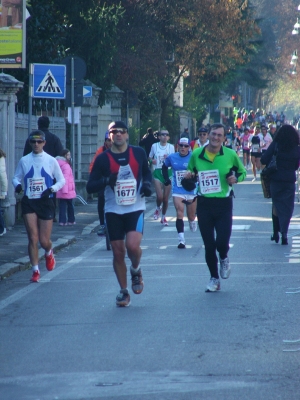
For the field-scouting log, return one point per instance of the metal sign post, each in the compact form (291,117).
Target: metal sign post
(72,114)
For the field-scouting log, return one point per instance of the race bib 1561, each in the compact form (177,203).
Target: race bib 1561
(35,187)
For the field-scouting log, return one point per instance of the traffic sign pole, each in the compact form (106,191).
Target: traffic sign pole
(30,90)
(72,115)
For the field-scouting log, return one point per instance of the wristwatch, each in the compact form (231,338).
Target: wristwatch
(52,190)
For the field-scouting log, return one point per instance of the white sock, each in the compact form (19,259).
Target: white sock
(35,268)
(181,237)
(134,270)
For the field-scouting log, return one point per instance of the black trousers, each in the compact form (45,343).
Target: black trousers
(101,203)
(215,224)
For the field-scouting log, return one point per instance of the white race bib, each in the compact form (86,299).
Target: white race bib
(35,187)
(160,161)
(255,148)
(209,181)
(179,176)
(125,192)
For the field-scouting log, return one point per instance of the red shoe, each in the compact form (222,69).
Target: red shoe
(156,214)
(164,222)
(50,261)
(35,276)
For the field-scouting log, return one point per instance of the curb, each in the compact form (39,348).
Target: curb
(23,263)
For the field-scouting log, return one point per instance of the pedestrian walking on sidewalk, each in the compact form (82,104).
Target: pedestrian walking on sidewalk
(36,171)
(283,180)
(217,169)
(67,193)
(124,173)
(3,190)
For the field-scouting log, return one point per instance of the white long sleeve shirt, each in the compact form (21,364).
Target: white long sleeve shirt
(38,171)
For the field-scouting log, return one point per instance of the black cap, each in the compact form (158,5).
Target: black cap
(202,129)
(117,125)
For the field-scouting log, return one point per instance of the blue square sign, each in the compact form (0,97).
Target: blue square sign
(49,81)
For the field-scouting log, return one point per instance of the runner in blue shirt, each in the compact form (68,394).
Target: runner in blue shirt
(179,162)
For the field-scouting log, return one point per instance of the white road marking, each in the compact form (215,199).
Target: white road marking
(50,275)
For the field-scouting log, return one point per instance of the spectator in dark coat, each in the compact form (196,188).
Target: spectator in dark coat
(148,140)
(53,144)
(283,180)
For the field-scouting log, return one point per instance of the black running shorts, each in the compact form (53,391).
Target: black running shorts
(43,208)
(120,224)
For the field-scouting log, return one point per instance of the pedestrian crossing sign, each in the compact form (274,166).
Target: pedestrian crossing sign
(49,81)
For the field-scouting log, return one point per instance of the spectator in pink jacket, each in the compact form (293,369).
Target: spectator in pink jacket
(67,193)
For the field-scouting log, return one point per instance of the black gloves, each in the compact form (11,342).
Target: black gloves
(167,182)
(111,181)
(189,184)
(18,188)
(46,193)
(145,190)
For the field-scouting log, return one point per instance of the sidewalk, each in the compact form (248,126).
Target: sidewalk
(13,245)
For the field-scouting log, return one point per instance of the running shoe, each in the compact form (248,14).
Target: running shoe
(181,245)
(62,224)
(193,226)
(4,232)
(254,179)
(164,222)
(123,299)
(156,214)
(50,261)
(102,230)
(71,223)
(35,276)
(137,282)
(225,268)
(213,285)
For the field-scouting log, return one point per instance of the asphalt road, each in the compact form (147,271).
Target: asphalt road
(64,338)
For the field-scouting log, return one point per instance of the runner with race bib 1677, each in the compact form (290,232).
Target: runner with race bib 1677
(123,173)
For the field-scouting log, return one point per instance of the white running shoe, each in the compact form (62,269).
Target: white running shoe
(213,285)
(193,226)
(156,214)
(254,179)
(225,268)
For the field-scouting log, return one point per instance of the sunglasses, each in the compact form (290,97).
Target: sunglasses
(202,134)
(164,134)
(184,145)
(36,141)
(115,131)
